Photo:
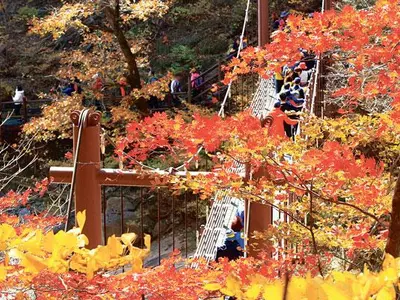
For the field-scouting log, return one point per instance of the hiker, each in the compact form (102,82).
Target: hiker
(301,71)
(308,59)
(281,124)
(279,119)
(286,87)
(77,85)
(278,81)
(175,88)
(122,86)
(98,82)
(18,99)
(275,21)
(296,87)
(196,81)
(68,90)
(290,75)
(282,21)
(290,103)
(234,49)
(152,77)
(233,246)
(195,78)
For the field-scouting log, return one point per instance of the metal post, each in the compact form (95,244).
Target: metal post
(327,5)
(263,22)
(104,215)
(259,219)
(88,190)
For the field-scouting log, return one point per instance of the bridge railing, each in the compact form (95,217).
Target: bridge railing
(29,109)
(173,221)
(120,201)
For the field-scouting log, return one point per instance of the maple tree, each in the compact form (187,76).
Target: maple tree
(341,170)
(103,21)
(103,28)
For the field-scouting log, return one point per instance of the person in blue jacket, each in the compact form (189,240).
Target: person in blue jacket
(234,243)
(68,90)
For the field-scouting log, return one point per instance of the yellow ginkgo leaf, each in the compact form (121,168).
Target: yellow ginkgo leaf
(137,264)
(212,287)
(6,232)
(3,273)
(48,242)
(253,291)
(147,241)
(114,246)
(273,291)
(128,238)
(386,293)
(32,264)
(81,219)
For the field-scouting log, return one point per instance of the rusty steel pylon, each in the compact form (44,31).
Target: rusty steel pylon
(263,23)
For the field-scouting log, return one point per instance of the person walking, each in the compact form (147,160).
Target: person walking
(279,118)
(122,86)
(233,247)
(296,87)
(279,81)
(195,81)
(304,74)
(176,88)
(18,99)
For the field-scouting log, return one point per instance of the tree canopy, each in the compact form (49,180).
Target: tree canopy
(338,183)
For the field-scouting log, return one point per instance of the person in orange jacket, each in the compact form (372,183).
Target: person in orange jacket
(277,128)
(122,86)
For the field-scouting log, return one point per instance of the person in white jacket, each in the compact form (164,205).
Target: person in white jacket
(18,99)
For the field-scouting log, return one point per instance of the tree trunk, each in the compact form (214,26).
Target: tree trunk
(133,77)
(393,244)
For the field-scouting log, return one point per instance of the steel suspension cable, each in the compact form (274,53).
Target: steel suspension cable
(246,18)
(81,123)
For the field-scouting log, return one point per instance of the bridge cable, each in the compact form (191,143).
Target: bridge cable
(81,124)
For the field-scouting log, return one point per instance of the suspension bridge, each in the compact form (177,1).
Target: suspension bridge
(88,179)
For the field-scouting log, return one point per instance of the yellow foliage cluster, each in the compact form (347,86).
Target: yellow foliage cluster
(55,122)
(65,251)
(355,130)
(69,15)
(338,285)
(143,10)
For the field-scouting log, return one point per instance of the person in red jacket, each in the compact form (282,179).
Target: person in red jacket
(278,117)
(122,86)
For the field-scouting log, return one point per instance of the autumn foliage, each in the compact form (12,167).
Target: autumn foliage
(335,185)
